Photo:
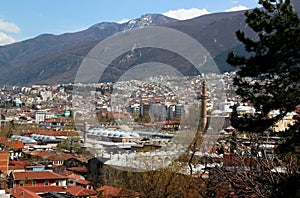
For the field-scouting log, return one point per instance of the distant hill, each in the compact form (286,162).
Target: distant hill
(56,58)
(38,59)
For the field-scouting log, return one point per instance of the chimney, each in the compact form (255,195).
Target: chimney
(204,107)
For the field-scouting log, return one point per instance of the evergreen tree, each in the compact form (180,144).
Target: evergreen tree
(269,77)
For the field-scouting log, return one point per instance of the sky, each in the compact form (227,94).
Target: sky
(21,20)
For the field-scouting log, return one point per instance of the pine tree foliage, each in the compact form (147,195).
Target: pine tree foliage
(269,77)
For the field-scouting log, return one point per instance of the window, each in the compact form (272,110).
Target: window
(33,183)
(71,182)
(46,183)
(58,162)
(21,183)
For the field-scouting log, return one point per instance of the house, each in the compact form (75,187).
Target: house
(42,115)
(14,146)
(36,167)
(19,192)
(81,170)
(94,168)
(16,168)
(35,191)
(72,178)
(57,159)
(25,140)
(84,184)
(76,161)
(19,166)
(49,158)
(51,191)
(38,178)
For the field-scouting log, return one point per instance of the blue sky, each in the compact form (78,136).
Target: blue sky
(20,19)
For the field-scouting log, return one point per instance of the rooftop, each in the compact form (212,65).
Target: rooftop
(80,191)
(13,144)
(37,175)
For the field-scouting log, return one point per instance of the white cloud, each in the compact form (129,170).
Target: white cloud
(237,8)
(6,39)
(123,21)
(9,26)
(183,14)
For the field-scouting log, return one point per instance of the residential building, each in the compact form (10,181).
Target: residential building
(42,115)
(38,178)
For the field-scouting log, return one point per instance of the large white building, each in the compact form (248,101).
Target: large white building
(42,115)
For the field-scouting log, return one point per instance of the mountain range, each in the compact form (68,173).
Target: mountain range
(50,59)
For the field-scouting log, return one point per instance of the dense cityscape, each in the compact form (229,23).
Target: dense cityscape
(45,129)
(142,109)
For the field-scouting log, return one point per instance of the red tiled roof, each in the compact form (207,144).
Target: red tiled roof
(49,155)
(4,161)
(23,163)
(44,189)
(149,124)
(51,132)
(16,167)
(80,191)
(13,144)
(74,176)
(49,121)
(168,123)
(38,153)
(162,123)
(81,158)
(110,191)
(66,173)
(20,192)
(30,191)
(59,157)
(37,175)
(83,182)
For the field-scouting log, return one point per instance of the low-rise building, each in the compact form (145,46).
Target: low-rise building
(38,178)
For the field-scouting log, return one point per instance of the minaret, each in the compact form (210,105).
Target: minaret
(141,105)
(203,107)
(85,131)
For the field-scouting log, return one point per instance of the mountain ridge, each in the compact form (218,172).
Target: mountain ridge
(53,59)
(68,40)
(40,66)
